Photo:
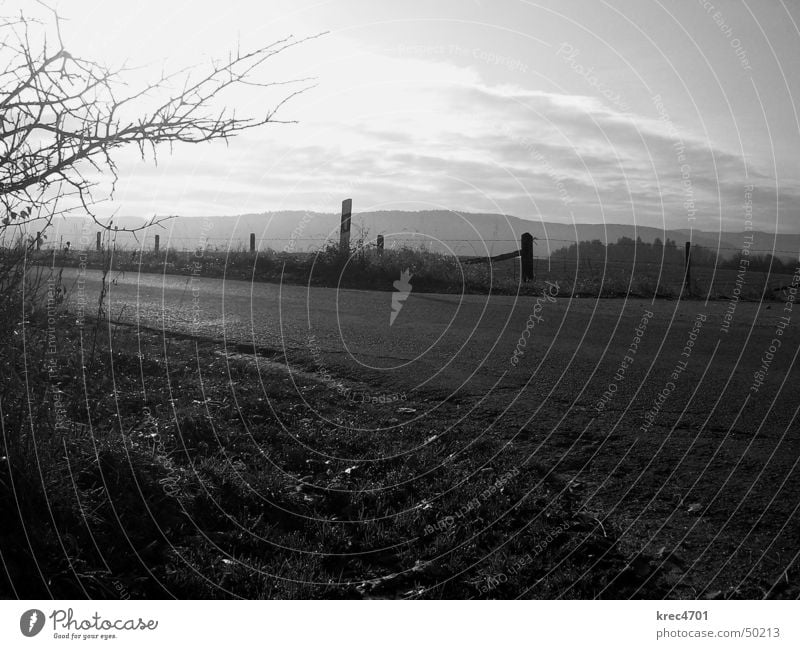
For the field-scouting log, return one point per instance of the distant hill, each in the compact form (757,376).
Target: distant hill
(461,233)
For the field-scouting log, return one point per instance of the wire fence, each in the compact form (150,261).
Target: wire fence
(235,244)
(626,267)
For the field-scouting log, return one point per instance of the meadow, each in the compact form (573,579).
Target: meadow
(142,463)
(131,471)
(435,272)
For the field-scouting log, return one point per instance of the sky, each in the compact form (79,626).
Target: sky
(678,114)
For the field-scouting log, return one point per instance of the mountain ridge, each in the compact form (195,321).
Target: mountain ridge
(460,233)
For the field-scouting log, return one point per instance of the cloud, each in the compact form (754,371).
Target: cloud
(392,130)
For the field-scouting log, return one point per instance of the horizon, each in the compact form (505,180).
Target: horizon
(356,213)
(461,235)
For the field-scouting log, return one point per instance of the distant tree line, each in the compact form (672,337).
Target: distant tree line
(626,250)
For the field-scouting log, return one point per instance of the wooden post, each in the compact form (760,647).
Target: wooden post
(344,232)
(155,246)
(526,256)
(38,241)
(688,282)
(252,242)
(380,245)
(99,243)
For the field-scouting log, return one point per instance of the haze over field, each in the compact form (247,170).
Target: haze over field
(442,231)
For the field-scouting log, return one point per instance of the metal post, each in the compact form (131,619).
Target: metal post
(252,242)
(688,283)
(99,241)
(344,232)
(157,241)
(38,241)
(526,256)
(380,245)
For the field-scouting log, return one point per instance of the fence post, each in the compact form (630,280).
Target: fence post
(344,232)
(688,281)
(252,242)
(526,256)
(38,241)
(99,242)
(380,245)
(155,246)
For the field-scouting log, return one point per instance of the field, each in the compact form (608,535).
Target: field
(440,273)
(158,492)
(154,455)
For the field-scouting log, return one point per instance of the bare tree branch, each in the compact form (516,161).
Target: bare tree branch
(62,115)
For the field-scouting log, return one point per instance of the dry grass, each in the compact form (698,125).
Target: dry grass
(176,470)
(436,272)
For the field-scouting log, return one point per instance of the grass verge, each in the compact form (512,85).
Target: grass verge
(158,467)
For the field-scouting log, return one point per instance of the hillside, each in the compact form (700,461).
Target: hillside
(460,233)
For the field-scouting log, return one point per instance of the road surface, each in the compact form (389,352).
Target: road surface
(529,354)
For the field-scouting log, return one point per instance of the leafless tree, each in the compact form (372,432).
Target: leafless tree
(62,117)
